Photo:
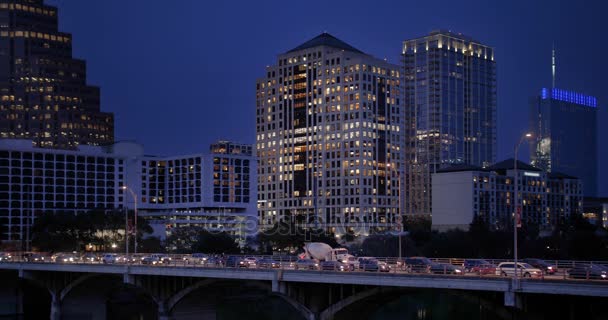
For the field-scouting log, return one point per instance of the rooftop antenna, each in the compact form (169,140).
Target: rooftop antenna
(553,65)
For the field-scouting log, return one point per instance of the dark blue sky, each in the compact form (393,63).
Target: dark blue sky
(180,74)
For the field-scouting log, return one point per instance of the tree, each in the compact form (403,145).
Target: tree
(182,239)
(218,243)
(68,231)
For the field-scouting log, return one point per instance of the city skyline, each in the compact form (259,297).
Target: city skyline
(523,46)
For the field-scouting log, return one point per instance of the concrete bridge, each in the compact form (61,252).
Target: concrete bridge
(314,294)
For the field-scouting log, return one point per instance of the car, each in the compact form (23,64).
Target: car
(444,268)
(478,266)
(418,264)
(372,264)
(65,258)
(33,257)
(334,266)
(109,258)
(156,259)
(90,257)
(236,262)
(5,257)
(307,264)
(268,264)
(548,268)
(352,263)
(588,271)
(151,259)
(523,270)
(195,258)
(470,264)
(214,262)
(251,262)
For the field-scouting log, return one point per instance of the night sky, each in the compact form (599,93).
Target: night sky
(180,74)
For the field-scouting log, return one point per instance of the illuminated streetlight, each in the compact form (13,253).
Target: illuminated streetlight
(517,213)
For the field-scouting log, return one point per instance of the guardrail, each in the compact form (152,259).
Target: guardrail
(283,262)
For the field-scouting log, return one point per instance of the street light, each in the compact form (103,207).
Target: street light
(134,220)
(517,213)
(399,217)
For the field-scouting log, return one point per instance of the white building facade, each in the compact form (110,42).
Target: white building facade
(463,193)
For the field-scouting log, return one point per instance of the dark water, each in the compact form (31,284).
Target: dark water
(402,305)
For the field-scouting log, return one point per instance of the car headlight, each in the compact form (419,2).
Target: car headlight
(458,271)
(550,268)
(316,264)
(534,272)
(604,276)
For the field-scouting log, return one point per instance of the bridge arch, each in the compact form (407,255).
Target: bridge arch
(331,311)
(75,283)
(302,309)
(172,301)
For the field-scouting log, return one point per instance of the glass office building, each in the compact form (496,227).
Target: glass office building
(450,103)
(565,126)
(44,96)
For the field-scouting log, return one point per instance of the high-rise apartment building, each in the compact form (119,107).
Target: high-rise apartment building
(564,124)
(329,139)
(44,96)
(450,109)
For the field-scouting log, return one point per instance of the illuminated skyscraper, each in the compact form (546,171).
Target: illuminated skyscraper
(43,92)
(565,126)
(329,139)
(450,109)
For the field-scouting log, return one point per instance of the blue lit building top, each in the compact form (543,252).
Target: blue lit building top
(568,96)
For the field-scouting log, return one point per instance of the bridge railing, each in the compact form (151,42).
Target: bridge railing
(280,262)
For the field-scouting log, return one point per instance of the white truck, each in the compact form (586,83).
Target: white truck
(323,252)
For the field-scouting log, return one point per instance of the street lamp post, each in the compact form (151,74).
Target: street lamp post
(517,213)
(399,216)
(135,218)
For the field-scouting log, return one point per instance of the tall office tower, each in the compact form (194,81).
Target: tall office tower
(329,121)
(564,124)
(43,92)
(450,109)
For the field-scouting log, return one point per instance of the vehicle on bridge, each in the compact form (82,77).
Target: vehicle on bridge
(32,257)
(332,265)
(195,258)
(478,266)
(155,259)
(541,264)
(372,264)
(90,257)
(523,270)
(589,271)
(445,268)
(5,256)
(307,264)
(65,258)
(109,258)
(323,252)
(236,262)
(418,264)
(267,263)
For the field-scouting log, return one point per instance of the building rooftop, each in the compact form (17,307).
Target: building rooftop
(568,96)
(510,165)
(559,175)
(460,168)
(326,39)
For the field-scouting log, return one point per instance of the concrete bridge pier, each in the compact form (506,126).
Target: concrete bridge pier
(163,311)
(55,306)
